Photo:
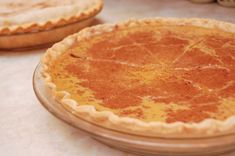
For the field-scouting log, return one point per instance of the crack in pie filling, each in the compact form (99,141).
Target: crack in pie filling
(153,72)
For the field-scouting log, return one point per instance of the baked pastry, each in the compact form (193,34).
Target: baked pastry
(18,16)
(150,77)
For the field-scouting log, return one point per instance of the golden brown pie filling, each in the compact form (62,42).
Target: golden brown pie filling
(153,73)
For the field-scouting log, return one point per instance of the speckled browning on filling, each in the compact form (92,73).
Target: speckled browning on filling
(153,73)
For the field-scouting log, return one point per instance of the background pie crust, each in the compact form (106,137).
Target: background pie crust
(23,18)
(39,23)
(108,119)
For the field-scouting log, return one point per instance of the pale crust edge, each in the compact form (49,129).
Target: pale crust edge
(53,23)
(108,119)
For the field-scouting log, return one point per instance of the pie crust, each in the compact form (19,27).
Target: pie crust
(207,127)
(41,15)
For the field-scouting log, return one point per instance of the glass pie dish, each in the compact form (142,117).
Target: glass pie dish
(27,41)
(137,144)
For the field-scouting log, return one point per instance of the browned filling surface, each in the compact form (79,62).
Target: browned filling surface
(153,73)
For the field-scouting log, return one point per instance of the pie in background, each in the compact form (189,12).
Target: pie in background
(151,77)
(43,21)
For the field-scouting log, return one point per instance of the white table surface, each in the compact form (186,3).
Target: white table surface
(27,129)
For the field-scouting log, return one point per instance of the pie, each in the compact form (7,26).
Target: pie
(151,76)
(17,16)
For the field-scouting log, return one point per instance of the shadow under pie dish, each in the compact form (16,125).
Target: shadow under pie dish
(43,21)
(154,77)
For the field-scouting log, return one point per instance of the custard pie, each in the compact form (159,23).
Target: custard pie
(151,76)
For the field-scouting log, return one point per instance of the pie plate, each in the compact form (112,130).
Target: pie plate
(41,38)
(137,144)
